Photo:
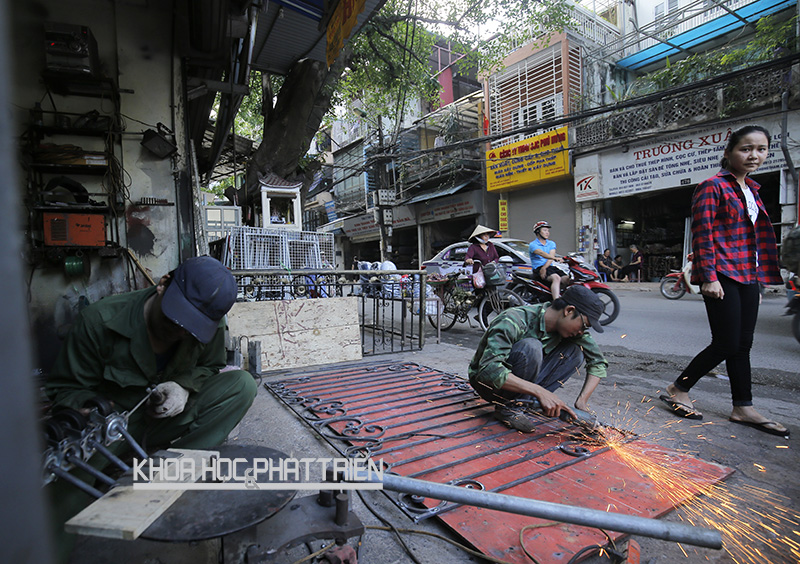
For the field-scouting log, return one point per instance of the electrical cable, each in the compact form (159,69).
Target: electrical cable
(466,549)
(314,554)
(389,527)
(612,553)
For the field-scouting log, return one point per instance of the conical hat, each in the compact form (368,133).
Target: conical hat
(480,230)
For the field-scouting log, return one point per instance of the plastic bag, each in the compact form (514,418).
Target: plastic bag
(478,280)
(494,274)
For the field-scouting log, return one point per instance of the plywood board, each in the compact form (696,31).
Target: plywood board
(296,333)
(125,513)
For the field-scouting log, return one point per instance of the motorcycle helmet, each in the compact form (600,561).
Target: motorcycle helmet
(539,224)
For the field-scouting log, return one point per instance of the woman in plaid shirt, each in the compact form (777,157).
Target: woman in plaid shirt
(734,251)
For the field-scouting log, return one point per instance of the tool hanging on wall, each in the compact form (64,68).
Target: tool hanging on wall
(79,265)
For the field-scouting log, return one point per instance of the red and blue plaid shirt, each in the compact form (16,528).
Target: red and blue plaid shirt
(725,241)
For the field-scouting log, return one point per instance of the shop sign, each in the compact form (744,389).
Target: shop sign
(684,159)
(342,21)
(459,205)
(361,226)
(403,217)
(534,160)
(503,209)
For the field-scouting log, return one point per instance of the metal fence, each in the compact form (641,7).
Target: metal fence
(392,308)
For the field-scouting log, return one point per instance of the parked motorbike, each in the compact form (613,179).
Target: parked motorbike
(579,272)
(675,284)
(458,296)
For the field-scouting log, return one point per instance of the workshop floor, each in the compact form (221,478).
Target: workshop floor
(625,400)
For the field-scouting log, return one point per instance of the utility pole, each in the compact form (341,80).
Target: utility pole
(384,196)
(384,199)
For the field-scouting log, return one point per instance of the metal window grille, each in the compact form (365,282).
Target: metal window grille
(255,248)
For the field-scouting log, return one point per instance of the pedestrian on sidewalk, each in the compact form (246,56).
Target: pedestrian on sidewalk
(530,351)
(735,251)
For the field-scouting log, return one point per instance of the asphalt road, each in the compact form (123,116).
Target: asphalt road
(650,323)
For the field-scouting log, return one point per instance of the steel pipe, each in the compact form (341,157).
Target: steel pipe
(101,448)
(653,528)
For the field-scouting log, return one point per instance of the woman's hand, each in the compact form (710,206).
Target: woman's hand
(468,261)
(712,289)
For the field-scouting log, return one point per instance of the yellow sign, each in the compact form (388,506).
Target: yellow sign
(342,22)
(534,160)
(503,209)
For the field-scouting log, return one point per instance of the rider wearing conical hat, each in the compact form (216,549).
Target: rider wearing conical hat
(481,248)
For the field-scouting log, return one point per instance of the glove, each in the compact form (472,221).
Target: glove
(168,400)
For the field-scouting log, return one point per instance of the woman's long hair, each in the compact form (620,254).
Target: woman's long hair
(736,136)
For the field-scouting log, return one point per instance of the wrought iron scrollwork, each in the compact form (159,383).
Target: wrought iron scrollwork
(352,429)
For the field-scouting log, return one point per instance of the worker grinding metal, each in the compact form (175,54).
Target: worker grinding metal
(530,351)
(171,336)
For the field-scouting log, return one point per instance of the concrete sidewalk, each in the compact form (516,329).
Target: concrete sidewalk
(628,398)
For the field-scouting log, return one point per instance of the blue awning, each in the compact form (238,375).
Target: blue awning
(706,32)
(439,193)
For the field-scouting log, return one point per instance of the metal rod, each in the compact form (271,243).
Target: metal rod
(132,442)
(676,532)
(88,468)
(78,483)
(101,448)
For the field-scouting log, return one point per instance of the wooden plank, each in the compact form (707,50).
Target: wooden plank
(125,513)
(296,333)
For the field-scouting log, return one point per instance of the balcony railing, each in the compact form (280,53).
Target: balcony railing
(746,93)
(423,170)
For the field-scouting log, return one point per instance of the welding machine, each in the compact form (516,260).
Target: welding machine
(70,229)
(70,49)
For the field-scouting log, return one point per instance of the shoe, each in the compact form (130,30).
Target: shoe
(763,426)
(680,409)
(515,419)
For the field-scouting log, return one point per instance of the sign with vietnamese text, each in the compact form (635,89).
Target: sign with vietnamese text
(342,22)
(502,206)
(531,161)
(683,159)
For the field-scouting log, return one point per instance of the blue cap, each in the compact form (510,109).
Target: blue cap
(201,292)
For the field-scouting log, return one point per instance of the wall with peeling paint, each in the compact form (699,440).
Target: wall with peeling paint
(135,44)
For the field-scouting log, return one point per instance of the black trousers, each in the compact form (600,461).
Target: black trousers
(733,322)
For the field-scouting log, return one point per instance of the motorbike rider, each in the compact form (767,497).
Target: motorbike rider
(544,258)
(482,251)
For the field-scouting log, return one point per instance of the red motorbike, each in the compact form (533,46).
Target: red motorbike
(675,284)
(579,271)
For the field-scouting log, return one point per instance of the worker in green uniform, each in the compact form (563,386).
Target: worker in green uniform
(171,336)
(528,352)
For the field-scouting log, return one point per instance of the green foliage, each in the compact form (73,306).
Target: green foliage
(391,61)
(774,38)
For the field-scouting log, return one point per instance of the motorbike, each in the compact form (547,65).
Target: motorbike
(675,284)
(579,271)
(793,306)
(458,296)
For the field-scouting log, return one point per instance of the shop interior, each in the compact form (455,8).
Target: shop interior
(657,222)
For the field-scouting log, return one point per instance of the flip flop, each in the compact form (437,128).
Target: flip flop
(762,426)
(680,409)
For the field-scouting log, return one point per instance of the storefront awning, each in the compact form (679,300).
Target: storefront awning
(689,40)
(441,192)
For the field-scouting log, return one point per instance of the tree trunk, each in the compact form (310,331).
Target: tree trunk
(290,126)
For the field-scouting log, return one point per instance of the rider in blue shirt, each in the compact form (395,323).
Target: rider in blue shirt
(543,257)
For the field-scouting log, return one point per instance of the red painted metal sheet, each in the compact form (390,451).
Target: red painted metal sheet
(426,424)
